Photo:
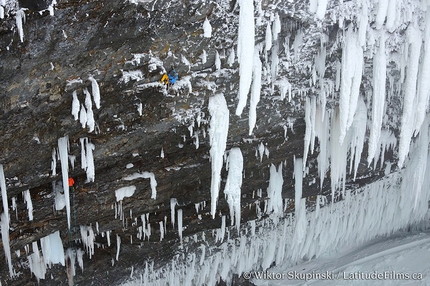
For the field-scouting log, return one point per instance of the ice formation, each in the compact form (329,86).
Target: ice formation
(63,150)
(255,90)
(233,184)
(218,139)
(274,190)
(27,199)
(207,29)
(124,192)
(245,51)
(145,175)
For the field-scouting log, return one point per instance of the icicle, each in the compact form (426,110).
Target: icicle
(217,61)
(255,91)
(27,199)
(173,203)
(423,92)
(161,230)
(407,127)
(95,91)
(379,83)
(20,18)
(207,29)
(381,14)
(276,27)
(358,129)
(233,185)
(245,50)
(89,107)
(118,245)
(218,138)
(231,57)
(352,68)
(203,56)
(4,225)
(268,40)
(274,190)
(322,6)
(75,106)
(180,224)
(63,147)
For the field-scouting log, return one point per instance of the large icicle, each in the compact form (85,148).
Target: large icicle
(4,224)
(423,93)
(218,139)
(89,107)
(63,147)
(233,185)
(322,131)
(309,140)
(255,91)
(410,86)
(339,153)
(378,82)
(358,132)
(245,50)
(352,68)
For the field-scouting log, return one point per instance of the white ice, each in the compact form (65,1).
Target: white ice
(63,149)
(245,51)
(218,131)
(233,184)
(207,29)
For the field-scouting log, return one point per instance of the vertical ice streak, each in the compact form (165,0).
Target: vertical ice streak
(274,190)
(423,92)
(4,223)
(75,106)
(95,89)
(255,91)
(233,185)
(352,68)
(245,50)
(20,18)
(410,86)
(218,139)
(27,199)
(180,224)
(379,83)
(63,146)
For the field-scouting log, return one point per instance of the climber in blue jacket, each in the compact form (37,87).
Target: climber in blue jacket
(173,76)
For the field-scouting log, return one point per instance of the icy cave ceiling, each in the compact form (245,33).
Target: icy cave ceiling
(343,85)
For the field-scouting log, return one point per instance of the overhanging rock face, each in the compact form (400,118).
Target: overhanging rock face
(323,104)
